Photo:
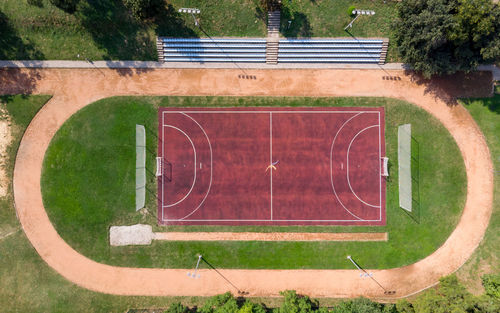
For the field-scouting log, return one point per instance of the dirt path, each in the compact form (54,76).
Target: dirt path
(73,89)
(5,140)
(244,236)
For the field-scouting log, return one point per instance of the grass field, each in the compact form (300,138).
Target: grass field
(104,30)
(100,138)
(29,285)
(486,258)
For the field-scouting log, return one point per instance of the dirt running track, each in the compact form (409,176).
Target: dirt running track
(75,88)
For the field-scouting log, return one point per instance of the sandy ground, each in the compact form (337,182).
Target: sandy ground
(5,140)
(73,89)
(245,236)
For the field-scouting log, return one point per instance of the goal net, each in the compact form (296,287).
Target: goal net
(404,167)
(140,167)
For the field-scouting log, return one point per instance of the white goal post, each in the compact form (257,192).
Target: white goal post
(159,166)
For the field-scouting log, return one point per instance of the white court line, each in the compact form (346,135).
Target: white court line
(194,166)
(269,111)
(331,166)
(271,157)
(380,167)
(347,167)
(211,166)
(165,157)
(262,112)
(275,220)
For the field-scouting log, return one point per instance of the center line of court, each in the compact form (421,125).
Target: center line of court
(271,157)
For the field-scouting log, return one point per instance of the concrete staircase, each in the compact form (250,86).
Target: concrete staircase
(272,51)
(273,34)
(273,24)
(383,54)
(159,48)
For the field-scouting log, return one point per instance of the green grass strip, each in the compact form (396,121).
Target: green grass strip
(485,259)
(88,185)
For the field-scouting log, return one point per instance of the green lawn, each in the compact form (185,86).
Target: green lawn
(486,258)
(100,139)
(328,19)
(104,30)
(27,283)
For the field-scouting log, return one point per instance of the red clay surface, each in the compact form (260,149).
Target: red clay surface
(216,166)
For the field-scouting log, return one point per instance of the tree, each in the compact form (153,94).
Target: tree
(297,304)
(491,284)
(144,9)
(360,305)
(403,306)
(451,296)
(446,36)
(224,303)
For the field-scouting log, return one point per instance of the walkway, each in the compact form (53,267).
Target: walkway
(75,88)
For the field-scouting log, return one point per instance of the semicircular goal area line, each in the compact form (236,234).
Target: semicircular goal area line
(331,165)
(194,166)
(211,167)
(347,171)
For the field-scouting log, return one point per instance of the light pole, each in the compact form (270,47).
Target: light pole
(363,272)
(366,274)
(191,11)
(194,275)
(358,14)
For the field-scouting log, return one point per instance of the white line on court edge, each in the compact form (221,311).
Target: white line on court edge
(267,112)
(380,167)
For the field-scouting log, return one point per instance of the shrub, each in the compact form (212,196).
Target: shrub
(177,308)
(491,284)
(37,3)
(68,6)
(349,11)
(144,9)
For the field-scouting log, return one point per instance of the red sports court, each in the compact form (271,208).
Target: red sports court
(271,166)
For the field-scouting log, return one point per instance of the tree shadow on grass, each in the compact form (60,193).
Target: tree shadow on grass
(169,23)
(299,26)
(12,47)
(115,31)
(448,88)
(123,37)
(15,80)
(493,103)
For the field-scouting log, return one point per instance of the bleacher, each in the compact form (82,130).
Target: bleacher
(345,50)
(212,50)
(253,50)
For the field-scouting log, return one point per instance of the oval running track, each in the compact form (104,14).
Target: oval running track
(73,89)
